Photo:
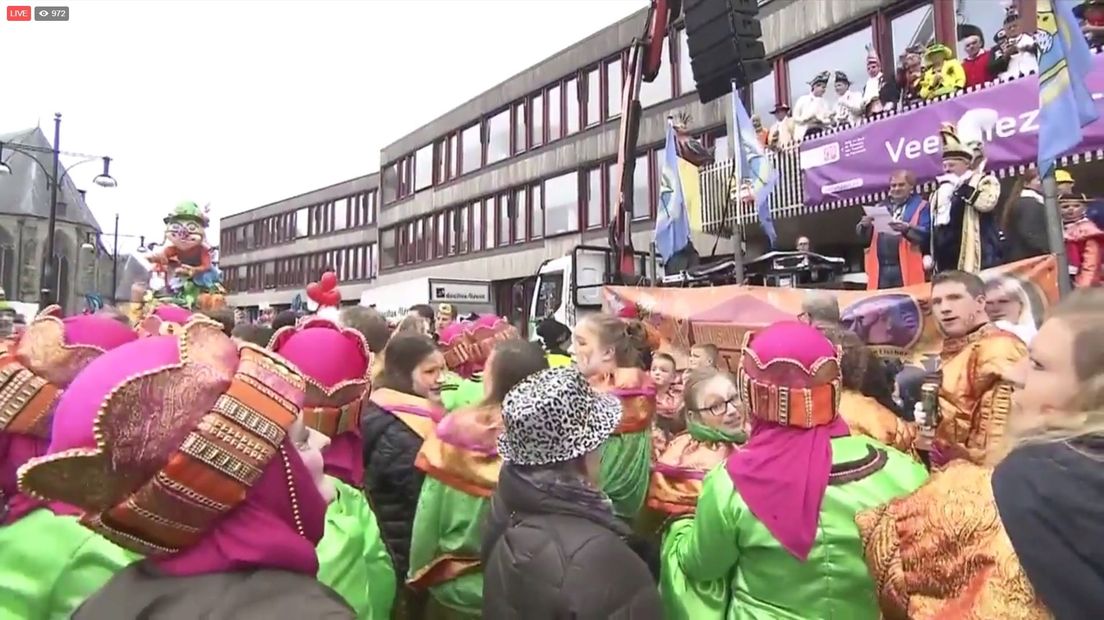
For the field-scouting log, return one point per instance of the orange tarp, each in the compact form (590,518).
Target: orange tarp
(895,322)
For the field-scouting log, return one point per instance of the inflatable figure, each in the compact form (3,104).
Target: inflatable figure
(184,264)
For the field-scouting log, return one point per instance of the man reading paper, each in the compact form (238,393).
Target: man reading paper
(896,257)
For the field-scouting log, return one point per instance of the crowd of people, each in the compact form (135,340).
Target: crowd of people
(335,466)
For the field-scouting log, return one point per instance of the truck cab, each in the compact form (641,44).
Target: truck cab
(570,287)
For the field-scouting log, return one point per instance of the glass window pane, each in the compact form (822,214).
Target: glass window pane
(593,97)
(491,217)
(454,155)
(423,168)
(419,239)
(571,105)
(470,141)
(498,137)
(561,204)
(521,219)
(536,120)
(985,14)
(611,187)
(839,55)
(554,120)
(441,171)
(536,211)
(915,27)
(720,148)
(505,206)
(762,99)
(520,126)
(477,225)
(594,198)
(642,193)
(302,221)
(341,213)
(462,214)
(686,73)
(658,91)
(613,88)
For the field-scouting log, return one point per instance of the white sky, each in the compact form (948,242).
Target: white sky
(243,103)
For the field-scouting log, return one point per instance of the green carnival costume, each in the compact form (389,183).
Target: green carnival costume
(627,455)
(457,392)
(352,558)
(50,564)
(727,540)
(774,535)
(461,465)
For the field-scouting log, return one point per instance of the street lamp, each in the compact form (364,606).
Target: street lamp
(87,245)
(47,294)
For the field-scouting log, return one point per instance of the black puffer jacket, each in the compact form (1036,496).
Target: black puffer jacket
(391,481)
(549,557)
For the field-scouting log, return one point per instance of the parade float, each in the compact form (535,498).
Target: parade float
(183,272)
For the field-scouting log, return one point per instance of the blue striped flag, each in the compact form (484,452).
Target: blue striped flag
(1065,104)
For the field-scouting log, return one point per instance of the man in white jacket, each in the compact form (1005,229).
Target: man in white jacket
(811,112)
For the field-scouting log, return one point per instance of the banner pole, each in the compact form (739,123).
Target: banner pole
(734,144)
(1055,239)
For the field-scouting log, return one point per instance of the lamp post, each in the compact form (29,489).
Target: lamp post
(47,294)
(114,255)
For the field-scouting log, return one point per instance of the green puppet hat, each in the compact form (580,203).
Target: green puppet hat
(188,211)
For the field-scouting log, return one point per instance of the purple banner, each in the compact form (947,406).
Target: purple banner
(858,162)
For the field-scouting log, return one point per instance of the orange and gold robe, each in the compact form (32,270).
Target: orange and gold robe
(975,395)
(866,416)
(678,472)
(942,553)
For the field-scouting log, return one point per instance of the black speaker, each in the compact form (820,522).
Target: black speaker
(723,41)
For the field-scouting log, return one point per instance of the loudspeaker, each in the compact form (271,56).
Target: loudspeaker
(723,41)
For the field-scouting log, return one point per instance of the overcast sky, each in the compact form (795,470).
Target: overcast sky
(243,103)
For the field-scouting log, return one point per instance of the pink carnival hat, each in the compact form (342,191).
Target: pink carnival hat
(49,354)
(159,439)
(790,375)
(164,319)
(467,345)
(336,365)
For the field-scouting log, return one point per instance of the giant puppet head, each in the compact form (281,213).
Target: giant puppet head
(186,226)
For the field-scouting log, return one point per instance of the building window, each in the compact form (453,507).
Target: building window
(498,137)
(443,235)
(536,211)
(462,228)
(423,168)
(302,223)
(561,204)
(506,209)
(373,260)
(686,72)
(521,212)
(420,251)
(372,199)
(472,146)
(555,114)
(490,215)
(660,90)
(520,127)
(477,226)
(917,27)
(536,121)
(642,191)
(763,98)
(593,97)
(440,171)
(839,54)
(453,156)
(571,106)
(613,88)
(341,214)
(594,198)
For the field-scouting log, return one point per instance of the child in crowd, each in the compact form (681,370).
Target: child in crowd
(703,356)
(669,419)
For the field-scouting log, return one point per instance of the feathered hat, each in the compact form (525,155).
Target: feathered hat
(821,78)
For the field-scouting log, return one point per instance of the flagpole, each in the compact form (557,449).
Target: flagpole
(1055,239)
(734,140)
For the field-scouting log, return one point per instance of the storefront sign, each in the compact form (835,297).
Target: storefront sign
(857,163)
(459,291)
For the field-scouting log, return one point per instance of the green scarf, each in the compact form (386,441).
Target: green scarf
(710,434)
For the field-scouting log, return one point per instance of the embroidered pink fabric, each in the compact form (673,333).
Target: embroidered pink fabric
(782,472)
(261,532)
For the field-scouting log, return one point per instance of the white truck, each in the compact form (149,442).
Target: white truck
(570,287)
(395,300)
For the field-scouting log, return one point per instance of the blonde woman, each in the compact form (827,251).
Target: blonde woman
(1021,540)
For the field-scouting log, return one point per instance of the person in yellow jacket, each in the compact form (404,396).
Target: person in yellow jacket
(944,73)
(555,336)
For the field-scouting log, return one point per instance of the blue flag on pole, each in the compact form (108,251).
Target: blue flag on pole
(672,228)
(755,172)
(1065,104)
